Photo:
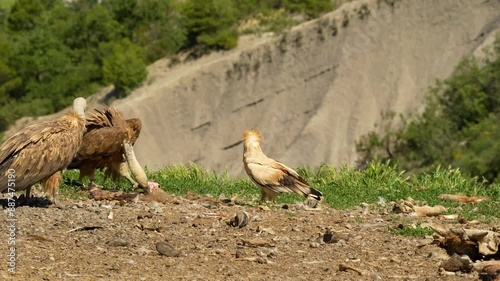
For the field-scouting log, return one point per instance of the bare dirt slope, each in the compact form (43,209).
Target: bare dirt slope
(312,91)
(106,240)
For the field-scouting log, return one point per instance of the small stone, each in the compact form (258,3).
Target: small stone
(166,249)
(314,245)
(457,263)
(220,251)
(256,218)
(264,208)
(330,237)
(267,230)
(118,242)
(240,219)
(240,252)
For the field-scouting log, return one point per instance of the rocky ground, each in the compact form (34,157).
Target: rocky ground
(116,240)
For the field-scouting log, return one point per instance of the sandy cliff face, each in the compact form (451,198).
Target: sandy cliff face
(313,91)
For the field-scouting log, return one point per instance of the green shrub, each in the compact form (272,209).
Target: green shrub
(459,126)
(311,8)
(211,23)
(123,65)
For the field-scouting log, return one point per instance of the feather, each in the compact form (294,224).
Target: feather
(102,146)
(42,150)
(270,175)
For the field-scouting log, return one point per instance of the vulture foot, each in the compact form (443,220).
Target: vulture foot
(93,186)
(55,203)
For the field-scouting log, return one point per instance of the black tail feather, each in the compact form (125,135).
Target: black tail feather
(316,194)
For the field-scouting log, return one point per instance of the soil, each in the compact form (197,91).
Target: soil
(86,239)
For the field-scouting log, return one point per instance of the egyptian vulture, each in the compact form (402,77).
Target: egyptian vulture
(40,152)
(107,144)
(271,176)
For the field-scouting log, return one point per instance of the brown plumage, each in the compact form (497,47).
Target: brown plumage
(41,151)
(102,147)
(270,175)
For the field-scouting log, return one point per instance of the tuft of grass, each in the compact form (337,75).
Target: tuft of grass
(72,187)
(347,187)
(416,231)
(180,179)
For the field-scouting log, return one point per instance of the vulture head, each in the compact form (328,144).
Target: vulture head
(79,106)
(134,126)
(251,140)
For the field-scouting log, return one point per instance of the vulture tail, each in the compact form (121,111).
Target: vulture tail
(316,194)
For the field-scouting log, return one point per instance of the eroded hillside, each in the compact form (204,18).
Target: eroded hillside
(312,91)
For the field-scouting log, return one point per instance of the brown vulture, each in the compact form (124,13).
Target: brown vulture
(107,144)
(270,175)
(40,152)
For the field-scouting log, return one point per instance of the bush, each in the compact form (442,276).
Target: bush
(123,65)
(211,23)
(459,126)
(311,8)
(24,15)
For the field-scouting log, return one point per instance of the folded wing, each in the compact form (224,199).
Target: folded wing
(277,177)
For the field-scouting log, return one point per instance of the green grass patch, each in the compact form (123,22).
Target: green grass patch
(416,231)
(382,182)
(72,187)
(343,188)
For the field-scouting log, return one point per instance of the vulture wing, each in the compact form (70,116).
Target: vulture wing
(277,177)
(102,143)
(39,151)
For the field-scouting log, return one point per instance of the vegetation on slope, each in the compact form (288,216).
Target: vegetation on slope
(460,126)
(54,50)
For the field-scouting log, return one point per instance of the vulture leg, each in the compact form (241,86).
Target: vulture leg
(92,181)
(120,169)
(51,187)
(27,196)
(90,173)
(125,172)
(267,194)
(262,196)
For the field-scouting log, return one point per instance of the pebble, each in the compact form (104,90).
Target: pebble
(166,249)
(457,263)
(240,219)
(314,245)
(118,242)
